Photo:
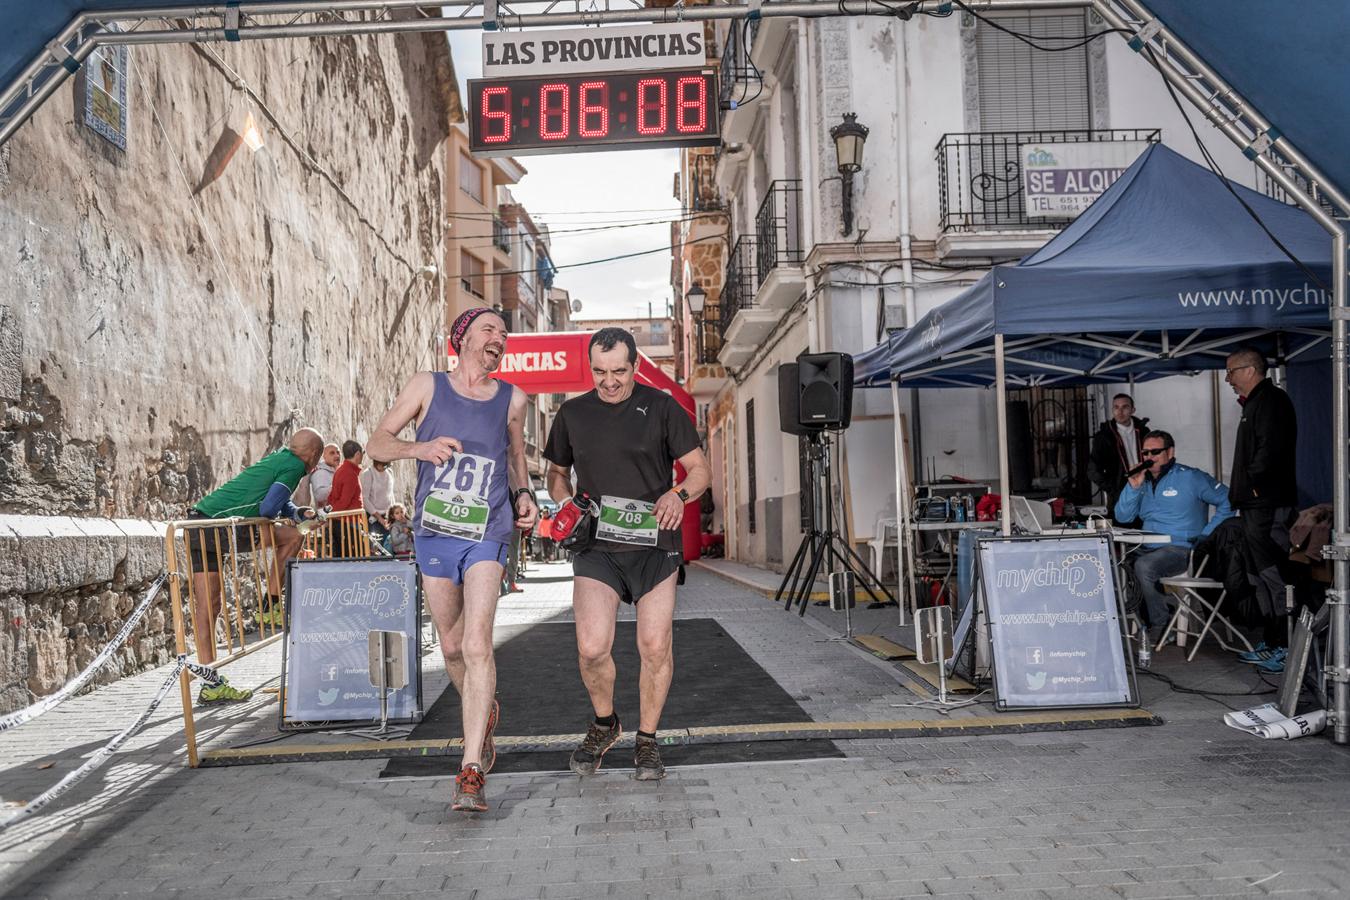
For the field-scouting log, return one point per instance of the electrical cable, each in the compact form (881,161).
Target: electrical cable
(1082,40)
(1217,172)
(1212,696)
(606,259)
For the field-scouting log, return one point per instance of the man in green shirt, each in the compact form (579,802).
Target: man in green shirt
(263,490)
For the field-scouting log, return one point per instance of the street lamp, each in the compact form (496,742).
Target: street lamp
(696,298)
(849,138)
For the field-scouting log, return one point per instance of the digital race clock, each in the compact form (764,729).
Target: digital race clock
(509,116)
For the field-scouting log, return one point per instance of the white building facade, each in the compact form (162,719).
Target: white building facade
(948,102)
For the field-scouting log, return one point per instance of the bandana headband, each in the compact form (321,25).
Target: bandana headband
(462,324)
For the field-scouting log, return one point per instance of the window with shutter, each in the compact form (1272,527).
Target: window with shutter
(1025,89)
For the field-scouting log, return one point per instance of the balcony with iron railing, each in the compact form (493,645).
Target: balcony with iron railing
(738,289)
(501,235)
(703,195)
(982,204)
(780,250)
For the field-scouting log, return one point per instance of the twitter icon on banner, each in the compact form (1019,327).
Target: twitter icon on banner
(1035,680)
(328,697)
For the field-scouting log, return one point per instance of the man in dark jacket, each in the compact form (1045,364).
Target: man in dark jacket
(1264,487)
(1115,450)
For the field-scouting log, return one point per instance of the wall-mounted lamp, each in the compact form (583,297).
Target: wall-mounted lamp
(696,298)
(849,138)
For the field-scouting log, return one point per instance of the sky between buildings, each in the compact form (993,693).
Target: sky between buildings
(574,191)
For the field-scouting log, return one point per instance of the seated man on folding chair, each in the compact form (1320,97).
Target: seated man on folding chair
(1171,499)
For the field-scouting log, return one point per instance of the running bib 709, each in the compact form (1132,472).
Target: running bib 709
(457,504)
(627,521)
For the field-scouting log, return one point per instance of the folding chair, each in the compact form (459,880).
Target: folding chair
(1191,603)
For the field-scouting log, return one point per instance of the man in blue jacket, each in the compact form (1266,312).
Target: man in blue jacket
(1171,499)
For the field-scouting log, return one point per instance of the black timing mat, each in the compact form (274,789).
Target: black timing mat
(540,691)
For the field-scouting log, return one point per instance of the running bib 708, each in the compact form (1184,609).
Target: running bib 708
(457,504)
(627,521)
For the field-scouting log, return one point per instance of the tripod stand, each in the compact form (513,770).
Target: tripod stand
(824,547)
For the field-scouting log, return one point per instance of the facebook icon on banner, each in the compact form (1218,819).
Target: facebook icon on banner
(1034,656)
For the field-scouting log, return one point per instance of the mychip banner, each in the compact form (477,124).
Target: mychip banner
(332,606)
(1054,622)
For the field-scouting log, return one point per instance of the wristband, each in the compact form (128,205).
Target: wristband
(516,495)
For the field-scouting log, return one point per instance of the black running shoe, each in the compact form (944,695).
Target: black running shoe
(586,758)
(647,761)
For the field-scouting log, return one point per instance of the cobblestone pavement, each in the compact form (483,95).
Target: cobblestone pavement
(1189,809)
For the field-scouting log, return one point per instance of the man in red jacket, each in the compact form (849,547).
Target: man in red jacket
(346,495)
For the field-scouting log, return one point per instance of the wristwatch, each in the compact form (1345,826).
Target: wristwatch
(682,494)
(516,496)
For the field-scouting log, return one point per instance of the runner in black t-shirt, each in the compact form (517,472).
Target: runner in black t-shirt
(622,440)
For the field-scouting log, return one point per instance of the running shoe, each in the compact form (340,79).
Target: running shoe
(222,692)
(489,754)
(1274,665)
(586,758)
(647,761)
(469,790)
(1260,653)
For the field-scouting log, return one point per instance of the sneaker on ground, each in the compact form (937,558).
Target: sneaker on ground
(586,758)
(647,761)
(469,790)
(222,692)
(489,754)
(1274,665)
(1256,654)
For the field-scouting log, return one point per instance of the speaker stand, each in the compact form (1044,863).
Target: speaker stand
(824,547)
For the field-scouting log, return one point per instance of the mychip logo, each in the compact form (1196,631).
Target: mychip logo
(1081,573)
(386,596)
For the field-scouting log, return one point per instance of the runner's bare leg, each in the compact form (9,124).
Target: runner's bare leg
(463,618)
(595,606)
(655,640)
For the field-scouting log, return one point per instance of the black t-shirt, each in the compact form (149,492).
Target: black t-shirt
(623,449)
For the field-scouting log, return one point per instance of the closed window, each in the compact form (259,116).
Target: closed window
(1025,89)
(751,493)
(470,177)
(471,273)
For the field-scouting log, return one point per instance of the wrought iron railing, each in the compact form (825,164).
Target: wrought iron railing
(703,195)
(778,227)
(980,175)
(708,336)
(739,79)
(742,280)
(501,235)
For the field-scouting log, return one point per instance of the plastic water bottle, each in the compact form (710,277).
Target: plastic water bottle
(1145,651)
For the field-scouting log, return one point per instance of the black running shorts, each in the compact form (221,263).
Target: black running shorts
(631,573)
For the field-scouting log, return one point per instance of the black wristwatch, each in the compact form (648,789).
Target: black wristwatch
(682,494)
(516,496)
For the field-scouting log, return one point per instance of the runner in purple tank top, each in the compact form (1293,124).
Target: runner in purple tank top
(473,487)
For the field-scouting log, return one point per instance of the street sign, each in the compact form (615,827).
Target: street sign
(575,51)
(569,113)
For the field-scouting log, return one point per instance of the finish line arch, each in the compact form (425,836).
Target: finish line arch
(557,363)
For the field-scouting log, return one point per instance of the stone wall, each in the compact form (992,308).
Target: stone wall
(166,320)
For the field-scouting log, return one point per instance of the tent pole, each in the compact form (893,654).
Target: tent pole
(1218,423)
(901,508)
(1001,389)
(1340,615)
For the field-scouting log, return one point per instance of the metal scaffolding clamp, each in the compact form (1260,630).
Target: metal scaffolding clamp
(231,20)
(491,18)
(64,57)
(1336,551)
(753,9)
(1147,32)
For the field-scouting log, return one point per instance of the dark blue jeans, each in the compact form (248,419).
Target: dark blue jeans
(1155,563)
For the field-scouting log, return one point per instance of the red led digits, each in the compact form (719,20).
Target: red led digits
(593,101)
(687,101)
(651,95)
(496,122)
(551,109)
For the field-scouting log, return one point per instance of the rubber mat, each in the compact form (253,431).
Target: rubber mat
(716,683)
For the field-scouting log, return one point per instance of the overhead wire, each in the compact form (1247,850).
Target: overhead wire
(1080,40)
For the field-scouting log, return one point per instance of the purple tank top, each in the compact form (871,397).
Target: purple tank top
(480,425)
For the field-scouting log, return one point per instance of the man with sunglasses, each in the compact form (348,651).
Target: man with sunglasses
(1174,500)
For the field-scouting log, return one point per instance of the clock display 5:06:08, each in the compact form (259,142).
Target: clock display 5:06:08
(577,111)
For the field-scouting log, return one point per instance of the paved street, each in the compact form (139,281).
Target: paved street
(1192,808)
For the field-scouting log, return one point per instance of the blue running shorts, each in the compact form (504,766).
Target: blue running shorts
(441,556)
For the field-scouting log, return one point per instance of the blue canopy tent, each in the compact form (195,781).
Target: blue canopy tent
(1164,274)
